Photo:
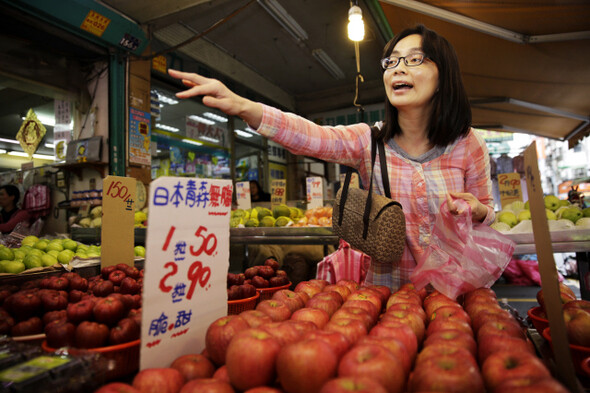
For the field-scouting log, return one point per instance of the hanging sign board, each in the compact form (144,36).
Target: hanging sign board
(243,195)
(315,192)
(549,278)
(187,259)
(278,192)
(118,221)
(510,188)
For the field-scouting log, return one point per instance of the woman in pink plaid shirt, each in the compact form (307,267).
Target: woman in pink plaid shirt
(433,154)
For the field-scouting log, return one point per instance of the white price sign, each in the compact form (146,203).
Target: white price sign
(315,192)
(187,259)
(243,195)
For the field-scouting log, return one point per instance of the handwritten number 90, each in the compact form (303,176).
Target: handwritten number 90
(197,274)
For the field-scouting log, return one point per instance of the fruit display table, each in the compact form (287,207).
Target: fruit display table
(93,235)
(272,235)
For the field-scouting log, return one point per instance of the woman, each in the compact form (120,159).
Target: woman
(10,214)
(432,153)
(257,194)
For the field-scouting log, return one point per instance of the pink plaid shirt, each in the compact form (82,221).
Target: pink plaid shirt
(464,166)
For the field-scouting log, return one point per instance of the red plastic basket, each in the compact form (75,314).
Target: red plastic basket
(578,352)
(539,322)
(266,293)
(122,359)
(235,307)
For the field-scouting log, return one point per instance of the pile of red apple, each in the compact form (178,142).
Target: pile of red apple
(336,338)
(576,313)
(244,285)
(75,311)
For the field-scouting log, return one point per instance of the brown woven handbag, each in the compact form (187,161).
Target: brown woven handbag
(371,223)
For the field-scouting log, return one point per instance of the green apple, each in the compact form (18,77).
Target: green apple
(551,202)
(564,202)
(524,215)
(19,254)
(32,261)
(139,251)
(550,215)
(26,249)
(81,247)
(70,244)
(49,260)
(527,205)
(507,217)
(29,241)
(54,245)
(140,217)
(81,255)
(572,213)
(93,254)
(64,257)
(36,251)
(586,212)
(41,245)
(54,253)
(13,267)
(6,254)
(583,222)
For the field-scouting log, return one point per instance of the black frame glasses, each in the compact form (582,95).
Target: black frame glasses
(412,60)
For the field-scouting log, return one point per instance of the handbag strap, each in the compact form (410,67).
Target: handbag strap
(384,176)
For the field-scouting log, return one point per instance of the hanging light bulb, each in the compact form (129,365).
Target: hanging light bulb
(356,28)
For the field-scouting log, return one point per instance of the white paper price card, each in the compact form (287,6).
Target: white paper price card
(315,192)
(187,259)
(243,195)
(278,189)
(118,221)
(354,180)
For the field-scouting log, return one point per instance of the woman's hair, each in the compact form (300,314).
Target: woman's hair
(12,191)
(451,113)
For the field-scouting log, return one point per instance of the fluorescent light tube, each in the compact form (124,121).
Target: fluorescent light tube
(13,141)
(2,151)
(192,142)
(209,139)
(167,128)
(243,134)
(285,20)
(215,117)
(325,60)
(201,120)
(23,154)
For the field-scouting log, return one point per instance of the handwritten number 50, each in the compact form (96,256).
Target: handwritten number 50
(209,243)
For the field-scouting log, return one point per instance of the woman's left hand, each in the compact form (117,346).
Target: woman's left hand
(478,210)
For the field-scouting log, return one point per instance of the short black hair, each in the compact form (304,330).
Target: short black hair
(451,114)
(12,190)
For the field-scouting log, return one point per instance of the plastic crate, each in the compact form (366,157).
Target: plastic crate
(539,322)
(235,307)
(578,352)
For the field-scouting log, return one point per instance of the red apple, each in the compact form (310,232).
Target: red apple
(251,358)
(407,317)
(337,341)
(54,315)
(207,385)
(503,327)
(446,373)
(305,366)
(109,311)
(320,283)
(79,283)
(582,304)
(396,347)
(278,281)
(375,362)
(107,270)
(158,380)
(479,293)
(130,285)
(441,349)
(193,366)
(403,297)
(436,300)
(302,327)
(508,363)
(343,290)
(368,295)
(275,309)
(367,306)
(352,329)
(383,289)
(103,288)
(577,325)
(452,312)
(127,330)
(235,279)
(353,384)
(448,324)
(323,303)
(318,316)
(28,327)
(413,308)
(272,262)
(290,298)
(260,282)
(530,385)
(264,389)
(81,311)
(399,331)
(221,374)
(246,291)
(251,272)
(219,335)
(308,288)
(265,272)
(498,343)
(483,317)
(91,335)
(351,284)
(255,318)
(454,338)
(116,387)
(355,313)
(331,295)
(566,295)
(283,333)
(117,276)
(477,306)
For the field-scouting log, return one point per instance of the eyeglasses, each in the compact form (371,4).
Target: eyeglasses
(413,60)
